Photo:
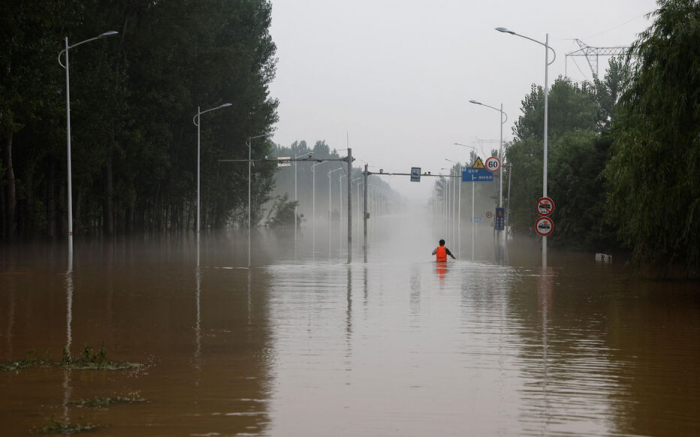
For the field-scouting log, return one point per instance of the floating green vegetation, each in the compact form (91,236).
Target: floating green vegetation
(100,402)
(30,361)
(90,359)
(58,427)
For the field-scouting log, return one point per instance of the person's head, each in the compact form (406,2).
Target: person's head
(442,242)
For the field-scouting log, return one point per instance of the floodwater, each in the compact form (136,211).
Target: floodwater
(303,344)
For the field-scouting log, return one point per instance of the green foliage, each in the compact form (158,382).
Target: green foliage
(90,359)
(133,96)
(100,402)
(282,212)
(654,174)
(29,361)
(57,427)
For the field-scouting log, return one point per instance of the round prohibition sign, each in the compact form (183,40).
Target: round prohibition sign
(544,226)
(492,164)
(545,206)
(489,214)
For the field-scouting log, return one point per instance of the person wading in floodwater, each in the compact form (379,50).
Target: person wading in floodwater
(441,252)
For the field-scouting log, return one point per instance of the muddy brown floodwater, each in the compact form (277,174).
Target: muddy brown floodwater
(303,344)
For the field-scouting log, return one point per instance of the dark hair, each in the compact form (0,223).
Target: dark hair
(442,242)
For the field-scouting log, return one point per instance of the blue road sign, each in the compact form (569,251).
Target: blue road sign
(500,219)
(415,174)
(477,175)
(476,219)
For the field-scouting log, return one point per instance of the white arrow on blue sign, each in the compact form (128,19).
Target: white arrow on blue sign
(477,175)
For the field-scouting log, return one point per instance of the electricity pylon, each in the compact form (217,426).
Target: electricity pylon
(592,54)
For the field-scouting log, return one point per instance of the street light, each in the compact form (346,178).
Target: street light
(249,180)
(472,181)
(329,210)
(340,210)
(459,206)
(296,202)
(313,209)
(196,122)
(547,48)
(70,177)
(500,150)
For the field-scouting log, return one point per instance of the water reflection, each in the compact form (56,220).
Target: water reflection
(282,348)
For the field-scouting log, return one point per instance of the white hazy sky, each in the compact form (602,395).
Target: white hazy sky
(396,76)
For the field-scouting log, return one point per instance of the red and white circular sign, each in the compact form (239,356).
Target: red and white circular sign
(492,164)
(489,214)
(545,206)
(544,226)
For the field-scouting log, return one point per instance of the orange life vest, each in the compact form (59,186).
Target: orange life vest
(441,254)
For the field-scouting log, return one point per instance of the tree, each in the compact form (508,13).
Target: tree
(282,212)
(572,109)
(654,173)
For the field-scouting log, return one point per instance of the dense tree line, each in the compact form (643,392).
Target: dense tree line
(133,98)
(624,151)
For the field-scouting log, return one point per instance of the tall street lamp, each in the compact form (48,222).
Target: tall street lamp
(547,48)
(459,206)
(196,122)
(296,203)
(500,149)
(313,209)
(250,154)
(340,211)
(330,218)
(70,177)
(472,181)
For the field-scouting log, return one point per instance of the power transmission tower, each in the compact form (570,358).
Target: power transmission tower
(482,142)
(592,54)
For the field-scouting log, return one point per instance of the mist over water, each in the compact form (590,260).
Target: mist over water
(303,343)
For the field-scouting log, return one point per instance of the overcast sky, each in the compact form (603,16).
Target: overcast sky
(396,76)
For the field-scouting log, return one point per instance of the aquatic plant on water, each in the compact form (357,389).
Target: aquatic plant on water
(58,427)
(29,361)
(90,359)
(100,402)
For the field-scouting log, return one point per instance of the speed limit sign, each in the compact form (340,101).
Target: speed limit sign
(493,164)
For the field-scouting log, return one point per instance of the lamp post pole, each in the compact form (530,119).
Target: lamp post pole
(458,180)
(472,218)
(340,212)
(68,135)
(296,204)
(547,48)
(197,123)
(330,218)
(250,156)
(313,209)
(500,149)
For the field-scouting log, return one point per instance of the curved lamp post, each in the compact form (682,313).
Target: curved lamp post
(250,154)
(547,48)
(70,177)
(501,156)
(196,122)
(472,219)
(330,220)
